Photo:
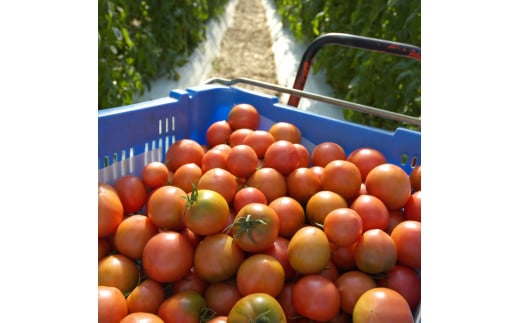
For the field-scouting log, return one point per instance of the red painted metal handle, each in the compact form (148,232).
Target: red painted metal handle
(367,43)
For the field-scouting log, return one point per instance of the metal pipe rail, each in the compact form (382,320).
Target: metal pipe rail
(416,121)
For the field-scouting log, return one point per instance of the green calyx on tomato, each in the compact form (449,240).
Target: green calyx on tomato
(207,314)
(245,224)
(192,198)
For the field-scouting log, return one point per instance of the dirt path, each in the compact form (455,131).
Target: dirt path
(246,47)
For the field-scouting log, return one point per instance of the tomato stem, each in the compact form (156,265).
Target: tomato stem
(206,314)
(192,198)
(245,224)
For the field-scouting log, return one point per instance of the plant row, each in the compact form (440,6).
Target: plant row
(140,41)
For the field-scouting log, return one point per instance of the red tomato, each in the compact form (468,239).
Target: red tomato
(132,193)
(110,210)
(330,271)
(321,203)
(284,298)
(270,181)
(375,252)
(248,195)
(218,133)
(316,298)
(243,115)
(309,250)
(342,177)
(217,258)
(167,257)
(412,208)
(279,250)
(305,156)
(260,273)
(221,296)
(342,317)
(221,181)
(290,213)
(351,285)
(154,174)
(103,248)
(302,183)
(259,140)
(182,152)
(192,281)
(282,130)
(282,156)
(407,238)
(343,256)
(390,184)
(365,159)
(214,158)
(141,317)
(395,217)
(146,297)
(326,152)
(111,305)
(343,226)
(132,234)
(318,170)
(382,305)
(255,227)
(185,306)
(406,282)
(192,237)
(119,271)
(415,178)
(223,147)
(238,136)
(242,160)
(373,212)
(257,307)
(165,207)
(206,213)
(186,175)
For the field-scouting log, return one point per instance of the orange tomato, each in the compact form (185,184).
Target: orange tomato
(111,305)
(182,152)
(325,152)
(110,210)
(243,115)
(382,305)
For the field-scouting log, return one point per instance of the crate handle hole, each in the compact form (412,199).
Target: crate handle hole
(413,163)
(404,159)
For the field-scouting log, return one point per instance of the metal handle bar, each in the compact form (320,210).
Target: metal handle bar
(360,42)
(416,121)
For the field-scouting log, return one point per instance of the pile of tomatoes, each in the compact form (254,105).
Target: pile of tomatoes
(254,227)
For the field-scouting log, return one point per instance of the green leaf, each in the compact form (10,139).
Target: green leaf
(117,33)
(126,36)
(403,75)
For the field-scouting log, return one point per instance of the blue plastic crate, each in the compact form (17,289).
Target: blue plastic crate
(131,136)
